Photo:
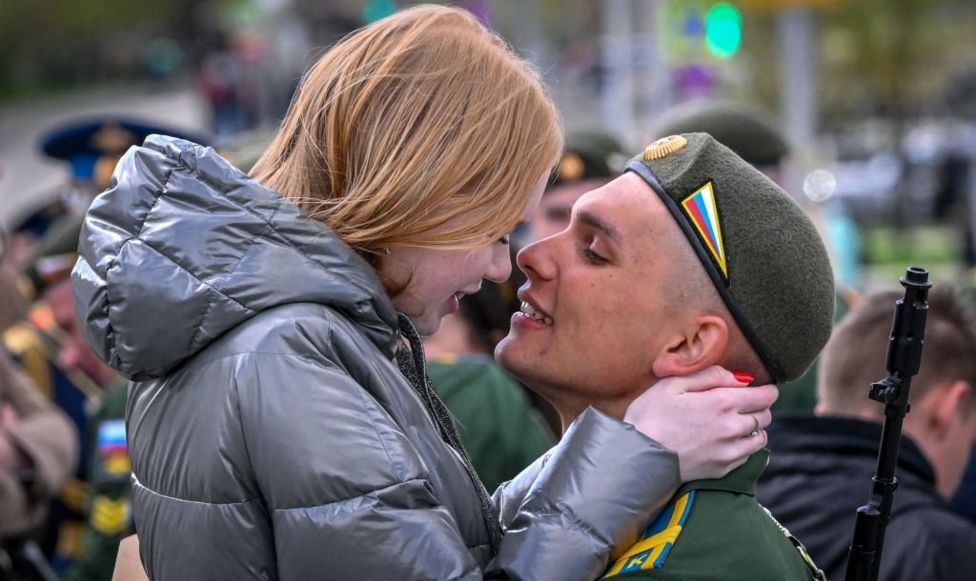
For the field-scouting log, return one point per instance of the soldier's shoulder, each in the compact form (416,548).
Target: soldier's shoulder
(706,534)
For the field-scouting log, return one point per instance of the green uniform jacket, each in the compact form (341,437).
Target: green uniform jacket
(715,529)
(499,428)
(109,514)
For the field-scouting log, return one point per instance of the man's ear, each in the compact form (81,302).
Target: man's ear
(700,344)
(947,404)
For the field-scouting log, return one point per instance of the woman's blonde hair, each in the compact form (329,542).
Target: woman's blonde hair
(415,120)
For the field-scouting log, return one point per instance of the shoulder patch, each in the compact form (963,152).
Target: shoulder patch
(651,551)
(701,209)
(109,516)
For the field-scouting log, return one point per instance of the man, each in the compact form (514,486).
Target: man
(38,446)
(589,161)
(95,505)
(822,466)
(691,259)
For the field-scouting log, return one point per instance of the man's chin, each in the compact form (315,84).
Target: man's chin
(506,355)
(512,356)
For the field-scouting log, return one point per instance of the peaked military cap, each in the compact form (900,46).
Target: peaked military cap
(742,129)
(82,142)
(760,250)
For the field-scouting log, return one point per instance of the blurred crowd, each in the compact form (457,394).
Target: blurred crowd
(64,466)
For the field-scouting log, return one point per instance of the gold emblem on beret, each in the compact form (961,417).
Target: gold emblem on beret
(664,147)
(571,167)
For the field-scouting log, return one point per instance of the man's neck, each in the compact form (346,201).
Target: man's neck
(569,406)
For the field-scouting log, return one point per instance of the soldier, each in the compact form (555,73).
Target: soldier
(88,537)
(38,445)
(91,510)
(689,260)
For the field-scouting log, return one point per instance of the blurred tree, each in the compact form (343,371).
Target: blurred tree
(64,42)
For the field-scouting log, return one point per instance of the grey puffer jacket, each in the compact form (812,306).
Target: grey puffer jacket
(272,435)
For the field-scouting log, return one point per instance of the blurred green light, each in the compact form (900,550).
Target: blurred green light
(723,29)
(378,9)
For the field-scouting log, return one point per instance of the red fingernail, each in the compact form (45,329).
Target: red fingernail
(744,377)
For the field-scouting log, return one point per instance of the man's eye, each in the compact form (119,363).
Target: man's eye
(593,257)
(505,239)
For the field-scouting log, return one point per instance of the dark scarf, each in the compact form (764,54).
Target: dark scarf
(413,365)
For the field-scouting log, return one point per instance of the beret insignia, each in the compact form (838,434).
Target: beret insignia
(702,211)
(664,147)
(571,167)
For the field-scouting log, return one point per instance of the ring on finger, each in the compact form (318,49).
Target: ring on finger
(755,431)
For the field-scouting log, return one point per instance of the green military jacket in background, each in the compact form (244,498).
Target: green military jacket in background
(499,428)
(715,529)
(109,490)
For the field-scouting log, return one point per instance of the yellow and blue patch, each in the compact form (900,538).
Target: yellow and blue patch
(652,549)
(702,211)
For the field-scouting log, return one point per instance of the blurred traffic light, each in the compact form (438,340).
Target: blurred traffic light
(723,29)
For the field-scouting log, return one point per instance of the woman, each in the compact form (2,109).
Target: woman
(280,423)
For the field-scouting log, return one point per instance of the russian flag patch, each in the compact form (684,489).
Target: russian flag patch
(702,211)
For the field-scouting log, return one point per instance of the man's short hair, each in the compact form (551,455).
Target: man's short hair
(855,355)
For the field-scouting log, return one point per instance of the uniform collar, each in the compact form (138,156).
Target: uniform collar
(742,480)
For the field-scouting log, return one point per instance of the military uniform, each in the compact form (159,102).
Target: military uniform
(91,511)
(715,529)
(109,491)
(34,349)
(500,430)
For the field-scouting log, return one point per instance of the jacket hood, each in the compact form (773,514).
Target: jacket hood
(184,247)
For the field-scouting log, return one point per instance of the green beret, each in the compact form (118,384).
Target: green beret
(737,127)
(758,247)
(587,155)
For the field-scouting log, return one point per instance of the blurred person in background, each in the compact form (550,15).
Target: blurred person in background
(281,422)
(89,535)
(821,467)
(964,501)
(38,444)
(589,160)
(952,203)
(92,508)
(747,132)
(671,269)
(498,426)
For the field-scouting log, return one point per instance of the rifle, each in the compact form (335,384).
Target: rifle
(904,357)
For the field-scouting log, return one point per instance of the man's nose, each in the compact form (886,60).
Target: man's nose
(534,259)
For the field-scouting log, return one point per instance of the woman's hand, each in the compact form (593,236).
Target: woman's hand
(707,418)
